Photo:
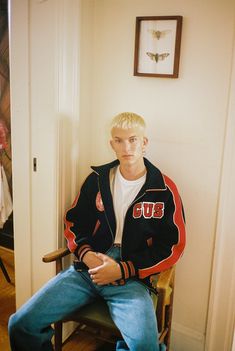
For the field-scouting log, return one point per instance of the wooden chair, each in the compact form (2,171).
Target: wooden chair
(4,271)
(97,314)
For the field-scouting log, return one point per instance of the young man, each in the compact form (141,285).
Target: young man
(126,224)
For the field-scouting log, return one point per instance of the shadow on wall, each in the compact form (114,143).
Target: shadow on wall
(68,151)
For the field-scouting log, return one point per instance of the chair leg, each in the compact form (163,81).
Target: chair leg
(170,312)
(4,271)
(58,336)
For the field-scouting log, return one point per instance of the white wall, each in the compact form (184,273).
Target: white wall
(186,119)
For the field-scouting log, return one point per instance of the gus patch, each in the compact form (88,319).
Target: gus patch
(148,210)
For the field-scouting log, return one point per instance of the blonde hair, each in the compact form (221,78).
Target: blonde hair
(126,120)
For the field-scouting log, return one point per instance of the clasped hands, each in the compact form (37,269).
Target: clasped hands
(102,268)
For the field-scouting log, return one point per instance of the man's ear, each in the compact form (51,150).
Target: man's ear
(145,141)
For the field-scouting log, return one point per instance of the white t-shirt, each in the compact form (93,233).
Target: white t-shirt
(124,192)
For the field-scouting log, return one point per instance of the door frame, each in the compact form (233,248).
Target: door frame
(64,84)
(221,314)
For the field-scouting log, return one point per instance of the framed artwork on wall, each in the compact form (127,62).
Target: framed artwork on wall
(157,46)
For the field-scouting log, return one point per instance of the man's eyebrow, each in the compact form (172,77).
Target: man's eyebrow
(130,137)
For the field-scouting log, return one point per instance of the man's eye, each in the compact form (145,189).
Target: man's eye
(132,140)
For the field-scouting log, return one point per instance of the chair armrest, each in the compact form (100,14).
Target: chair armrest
(165,279)
(55,255)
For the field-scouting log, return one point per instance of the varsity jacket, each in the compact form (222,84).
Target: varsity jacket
(154,229)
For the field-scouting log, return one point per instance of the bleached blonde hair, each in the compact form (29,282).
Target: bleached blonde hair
(126,120)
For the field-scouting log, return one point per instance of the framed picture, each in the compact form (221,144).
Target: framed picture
(157,46)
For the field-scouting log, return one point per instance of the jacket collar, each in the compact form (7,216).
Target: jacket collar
(154,182)
(154,178)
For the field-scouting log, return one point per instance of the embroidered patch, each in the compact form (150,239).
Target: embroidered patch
(99,202)
(148,210)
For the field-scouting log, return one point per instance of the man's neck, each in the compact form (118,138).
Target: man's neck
(133,172)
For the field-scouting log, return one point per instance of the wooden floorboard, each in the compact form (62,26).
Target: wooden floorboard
(84,339)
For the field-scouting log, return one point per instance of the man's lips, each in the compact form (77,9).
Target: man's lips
(127,156)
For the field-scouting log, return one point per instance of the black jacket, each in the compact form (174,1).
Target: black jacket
(154,229)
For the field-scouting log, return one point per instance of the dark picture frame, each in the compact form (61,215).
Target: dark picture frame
(157,46)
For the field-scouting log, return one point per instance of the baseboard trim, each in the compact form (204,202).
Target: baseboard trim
(184,338)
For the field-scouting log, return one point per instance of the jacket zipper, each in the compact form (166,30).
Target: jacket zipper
(123,221)
(107,219)
(125,218)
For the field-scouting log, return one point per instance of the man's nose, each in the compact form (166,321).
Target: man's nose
(126,146)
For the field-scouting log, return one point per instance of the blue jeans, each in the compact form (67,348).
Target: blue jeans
(130,306)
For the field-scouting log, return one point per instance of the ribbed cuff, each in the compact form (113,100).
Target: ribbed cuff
(83,250)
(127,269)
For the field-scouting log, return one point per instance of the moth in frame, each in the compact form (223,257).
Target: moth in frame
(157,46)
(157,57)
(158,34)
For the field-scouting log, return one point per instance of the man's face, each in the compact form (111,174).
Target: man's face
(128,144)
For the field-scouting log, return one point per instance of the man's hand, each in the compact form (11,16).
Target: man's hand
(108,272)
(92,260)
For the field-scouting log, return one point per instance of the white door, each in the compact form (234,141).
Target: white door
(44,39)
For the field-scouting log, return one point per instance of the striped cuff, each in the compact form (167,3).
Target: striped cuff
(83,250)
(127,269)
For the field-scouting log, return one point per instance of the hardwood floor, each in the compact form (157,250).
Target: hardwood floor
(84,338)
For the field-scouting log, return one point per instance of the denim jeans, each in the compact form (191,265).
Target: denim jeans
(130,306)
